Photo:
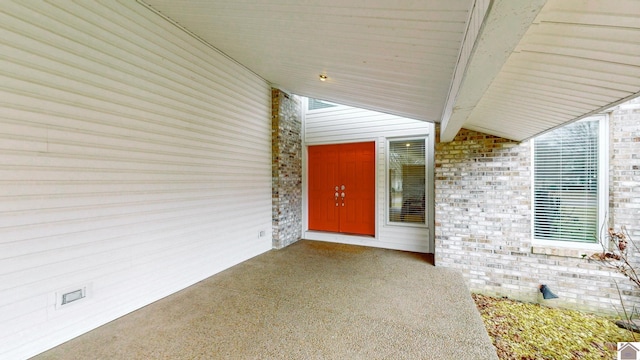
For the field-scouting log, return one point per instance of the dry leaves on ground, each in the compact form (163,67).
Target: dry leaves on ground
(531,331)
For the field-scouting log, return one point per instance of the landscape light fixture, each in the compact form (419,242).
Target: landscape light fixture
(546,293)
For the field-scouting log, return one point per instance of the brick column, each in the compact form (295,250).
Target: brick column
(286,140)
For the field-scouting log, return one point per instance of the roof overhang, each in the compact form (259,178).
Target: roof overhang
(510,68)
(504,23)
(573,59)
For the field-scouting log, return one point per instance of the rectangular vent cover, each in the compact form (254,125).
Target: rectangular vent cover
(73,296)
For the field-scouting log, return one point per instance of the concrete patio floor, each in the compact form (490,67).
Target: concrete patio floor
(311,300)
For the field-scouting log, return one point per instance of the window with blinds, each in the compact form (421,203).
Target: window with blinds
(407,174)
(566,179)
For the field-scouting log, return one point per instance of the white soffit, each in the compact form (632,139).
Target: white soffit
(533,67)
(393,56)
(504,24)
(579,57)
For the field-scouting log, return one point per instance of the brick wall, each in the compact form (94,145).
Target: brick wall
(624,193)
(483,220)
(624,173)
(286,168)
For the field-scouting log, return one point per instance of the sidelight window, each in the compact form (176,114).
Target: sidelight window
(406,181)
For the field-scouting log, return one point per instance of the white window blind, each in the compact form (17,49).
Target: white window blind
(407,181)
(566,173)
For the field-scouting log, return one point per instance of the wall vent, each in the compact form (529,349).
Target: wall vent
(72,295)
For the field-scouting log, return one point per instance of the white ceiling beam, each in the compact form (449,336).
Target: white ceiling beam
(505,23)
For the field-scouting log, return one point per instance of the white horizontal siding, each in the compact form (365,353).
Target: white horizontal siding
(343,124)
(133,159)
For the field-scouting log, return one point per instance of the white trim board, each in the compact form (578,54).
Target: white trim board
(362,241)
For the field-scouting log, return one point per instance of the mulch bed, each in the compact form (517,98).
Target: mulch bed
(531,331)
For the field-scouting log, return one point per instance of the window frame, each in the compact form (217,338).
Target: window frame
(602,192)
(428,196)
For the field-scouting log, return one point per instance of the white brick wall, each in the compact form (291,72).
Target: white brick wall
(483,219)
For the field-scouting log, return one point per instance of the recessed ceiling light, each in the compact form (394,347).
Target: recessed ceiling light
(323,77)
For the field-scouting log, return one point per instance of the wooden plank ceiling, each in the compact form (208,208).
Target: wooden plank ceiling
(561,61)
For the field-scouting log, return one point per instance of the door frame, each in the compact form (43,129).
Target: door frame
(337,125)
(379,239)
(344,216)
(329,236)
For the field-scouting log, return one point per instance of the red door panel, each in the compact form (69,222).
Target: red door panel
(323,170)
(351,166)
(357,216)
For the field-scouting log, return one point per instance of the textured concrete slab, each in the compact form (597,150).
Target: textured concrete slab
(311,300)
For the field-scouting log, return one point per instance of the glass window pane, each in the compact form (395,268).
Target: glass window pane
(315,104)
(566,183)
(407,181)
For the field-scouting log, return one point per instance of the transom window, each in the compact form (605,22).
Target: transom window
(568,185)
(315,104)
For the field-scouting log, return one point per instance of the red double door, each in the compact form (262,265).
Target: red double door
(342,188)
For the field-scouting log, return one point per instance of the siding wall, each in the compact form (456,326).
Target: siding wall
(343,124)
(134,161)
